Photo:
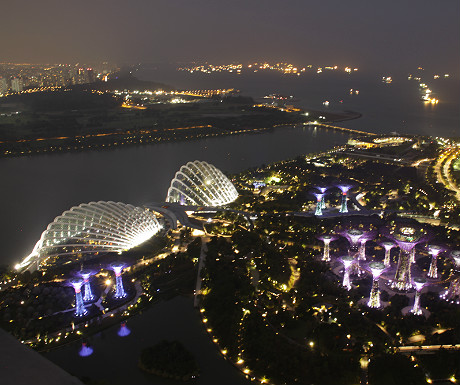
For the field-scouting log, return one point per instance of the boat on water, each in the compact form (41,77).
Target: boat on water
(280,97)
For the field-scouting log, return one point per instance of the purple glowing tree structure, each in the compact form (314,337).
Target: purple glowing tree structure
(124,330)
(434,250)
(387,246)
(455,254)
(347,261)
(86,274)
(419,284)
(407,238)
(319,198)
(118,267)
(374,298)
(85,350)
(327,239)
(367,236)
(344,188)
(80,310)
(322,190)
(354,237)
(452,294)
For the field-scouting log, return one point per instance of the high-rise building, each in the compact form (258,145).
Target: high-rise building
(17,85)
(3,86)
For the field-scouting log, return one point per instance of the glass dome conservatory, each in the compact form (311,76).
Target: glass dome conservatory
(92,228)
(201,184)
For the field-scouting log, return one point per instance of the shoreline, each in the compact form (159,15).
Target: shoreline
(76,144)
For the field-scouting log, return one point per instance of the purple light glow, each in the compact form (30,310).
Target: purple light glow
(80,310)
(118,267)
(86,274)
(85,350)
(124,330)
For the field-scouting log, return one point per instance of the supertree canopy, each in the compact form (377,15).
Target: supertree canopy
(319,199)
(387,246)
(80,310)
(374,298)
(322,190)
(344,187)
(434,250)
(418,283)
(327,239)
(91,228)
(117,268)
(407,237)
(347,261)
(86,274)
(201,184)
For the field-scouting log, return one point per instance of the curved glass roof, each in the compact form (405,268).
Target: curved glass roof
(94,227)
(201,184)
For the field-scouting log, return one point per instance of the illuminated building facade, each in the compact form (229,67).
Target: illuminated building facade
(92,228)
(201,184)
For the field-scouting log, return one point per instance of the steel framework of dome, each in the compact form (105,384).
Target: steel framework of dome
(202,184)
(93,227)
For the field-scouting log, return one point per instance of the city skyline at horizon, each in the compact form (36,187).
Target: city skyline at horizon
(357,33)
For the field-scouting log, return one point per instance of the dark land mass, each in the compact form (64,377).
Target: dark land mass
(80,118)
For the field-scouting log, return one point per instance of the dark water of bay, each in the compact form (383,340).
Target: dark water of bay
(35,190)
(385,107)
(115,358)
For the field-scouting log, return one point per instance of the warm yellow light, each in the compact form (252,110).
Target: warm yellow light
(108,282)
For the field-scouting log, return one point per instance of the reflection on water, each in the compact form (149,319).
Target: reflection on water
(115,359)
(85,350)
(124,330)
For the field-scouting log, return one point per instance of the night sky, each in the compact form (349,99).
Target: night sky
(363,33)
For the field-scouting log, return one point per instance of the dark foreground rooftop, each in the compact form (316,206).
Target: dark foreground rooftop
(20,365)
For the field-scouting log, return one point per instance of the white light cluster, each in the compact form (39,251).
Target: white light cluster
(200,183)
(94,227)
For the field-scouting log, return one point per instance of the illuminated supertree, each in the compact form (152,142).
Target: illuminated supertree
(80,310)
(319,198)
(434,250)
(407,238)
(418,283)
(354,237)
(118,267)
(387,246)
(455,254)
(123,331)
(347,261)
(86,274)
(322,190)
(327,239)
(344,188)
(85,350)
(374,298)
(452,294)
(368,235)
